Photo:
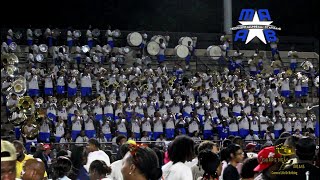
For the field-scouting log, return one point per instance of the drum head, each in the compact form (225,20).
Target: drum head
(134,39)
(153,48)
(185,40)
(181,51)
(214,52)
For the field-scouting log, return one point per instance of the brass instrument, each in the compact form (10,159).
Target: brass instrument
(13,46)
(17,118)
(267,100)
(11,70)
(85,48)
(12,59)
(77,33)
(37,32)
(26,105)
(282,100)
(253,90)
(53,100)
(105,83)
(96,33)
(218,83)
(306,65)
(316,81)
(216,105)
(144,87)
(64,102)
(19,86)
(304,79)
(288,72)
(115,85)
(295,54)
(78,100)
(242,85)
(43,48)
(39,102)
(34,131)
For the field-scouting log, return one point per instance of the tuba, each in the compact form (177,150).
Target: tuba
(19,86)
(306,65)
(77,33)
(43,48)
(26,105)
(11,70)
(17,118)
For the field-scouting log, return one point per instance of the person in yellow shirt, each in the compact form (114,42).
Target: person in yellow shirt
(22,158)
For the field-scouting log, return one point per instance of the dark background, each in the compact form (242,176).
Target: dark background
(295,17)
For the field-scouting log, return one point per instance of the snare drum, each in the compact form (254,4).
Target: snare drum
(185,40)
(214,52)
(181,51)
(134,39)
(153,48)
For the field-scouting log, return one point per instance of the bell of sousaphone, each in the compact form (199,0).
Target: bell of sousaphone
(43,48)
(30,130)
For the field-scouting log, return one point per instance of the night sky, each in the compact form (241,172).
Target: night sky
(295,17)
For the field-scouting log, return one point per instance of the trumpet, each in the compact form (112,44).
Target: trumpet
(282,100)
(218,83)
(267,100)
(242,85)
(64,102)
(288,72)
(144,87)
(116,85)
(77,101)
(216,105)
(39,102)
(105,84)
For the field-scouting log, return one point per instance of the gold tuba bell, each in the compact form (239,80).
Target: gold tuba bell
(26,105)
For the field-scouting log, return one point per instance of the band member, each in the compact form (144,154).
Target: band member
(44,134)
(29,37)
(48,36)
(274,47)
(59,129)
(293,61)
(29,129)
(135,127)
(188,58)
(169,125)
(33,85)
(122,127)
(161,55)
(106,130)
(48,85)
(157,126)
(9,36)
(89,126)
(89,37)
(146,126)
(143,43)
(110,41)
(77,122)
(61,84)
(69,39)
(86,84)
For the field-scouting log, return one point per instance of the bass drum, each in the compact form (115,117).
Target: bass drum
(214,52)
(181,51)
(134,39)
(153,48)
(185,40)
